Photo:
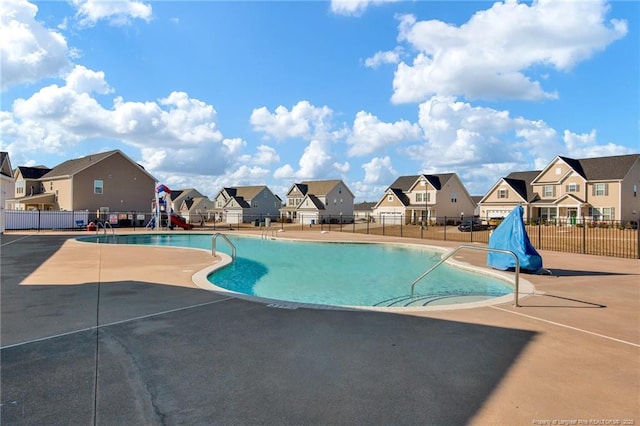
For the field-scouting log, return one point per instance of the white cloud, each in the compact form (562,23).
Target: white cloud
(265,156)
(28,50)
(489,56)
(369,134)
(379,171)
(316,162)
(482,144)
(303,121)
(118,13)
(83,80)
(354,7)
(388,57)
(174,134)
(586,146)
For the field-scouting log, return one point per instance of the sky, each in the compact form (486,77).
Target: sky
(211,94)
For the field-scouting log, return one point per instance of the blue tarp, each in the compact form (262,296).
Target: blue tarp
(512,235)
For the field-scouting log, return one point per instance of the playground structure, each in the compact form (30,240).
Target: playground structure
(163,216)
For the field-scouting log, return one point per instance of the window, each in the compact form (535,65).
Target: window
(454,197)
(600,189)
(420,197)
(98,187)
(558,170)
(503,193)
(254,204)
(573,187)
(390,198)
(549,190)
(635,190)
(20,187)
(607,213)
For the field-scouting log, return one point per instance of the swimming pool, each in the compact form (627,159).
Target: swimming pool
(336,274)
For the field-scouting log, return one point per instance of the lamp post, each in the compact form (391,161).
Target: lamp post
(426,205)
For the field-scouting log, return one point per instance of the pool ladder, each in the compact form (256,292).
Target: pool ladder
(104,227)
(224,237)
(265,233)
(465,246)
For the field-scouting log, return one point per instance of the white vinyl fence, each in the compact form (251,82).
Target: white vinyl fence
(45,219)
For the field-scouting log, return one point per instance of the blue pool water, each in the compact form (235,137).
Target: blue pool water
(343,274)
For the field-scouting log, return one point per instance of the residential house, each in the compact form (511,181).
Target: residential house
(192,205)
(363,211)
(319,201)
(569,190)
(29,189)
(602,188)
(243,204)
(6,186)
(509,192)
(426,197)
(106,182)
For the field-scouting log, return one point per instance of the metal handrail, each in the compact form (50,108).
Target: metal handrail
(265,232)
(104,227)
(457,249)
(224,237)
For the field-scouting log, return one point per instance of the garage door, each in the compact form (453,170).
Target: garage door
(391,218)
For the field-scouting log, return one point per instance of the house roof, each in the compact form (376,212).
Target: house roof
(5,164)
(521,183)
(241,203)
(33,172)
(321,187)
(364,206)
(249,192)
(72,167)
(602,168)
(314,200)
(405,183)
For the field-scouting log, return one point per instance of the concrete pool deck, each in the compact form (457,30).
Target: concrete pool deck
(167,352)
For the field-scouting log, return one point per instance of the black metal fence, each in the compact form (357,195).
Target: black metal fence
(580,235)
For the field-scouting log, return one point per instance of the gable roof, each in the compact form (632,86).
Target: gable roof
(602,168)
(72,167)
(405,183)
(521,183)
(5,165)
(33,172)
(364,206)
(321,187)
(248,192)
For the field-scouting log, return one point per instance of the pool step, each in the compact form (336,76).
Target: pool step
(426,299)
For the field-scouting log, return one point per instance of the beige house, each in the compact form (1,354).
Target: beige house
(414,199)
(106,182)
(509,192)
(243,204)
(6,186)
(192,205)
(569,190)
(318,201)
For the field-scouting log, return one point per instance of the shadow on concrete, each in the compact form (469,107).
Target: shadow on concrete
(581,304)
(575,273)
(238,362)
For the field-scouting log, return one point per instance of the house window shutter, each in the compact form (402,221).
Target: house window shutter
(593,190)
(567,188)
(606,189)
(577,187)
(554,191)
(613,213)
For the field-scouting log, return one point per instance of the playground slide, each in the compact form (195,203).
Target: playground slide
(178,221)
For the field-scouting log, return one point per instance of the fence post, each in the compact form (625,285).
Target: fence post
(445,228)
(584,235)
